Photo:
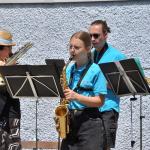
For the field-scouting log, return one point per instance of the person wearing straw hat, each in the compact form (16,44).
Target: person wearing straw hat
(9,107)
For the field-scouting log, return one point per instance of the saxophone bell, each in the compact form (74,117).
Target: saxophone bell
(61,113)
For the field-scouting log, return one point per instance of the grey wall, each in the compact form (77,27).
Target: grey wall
(49,27)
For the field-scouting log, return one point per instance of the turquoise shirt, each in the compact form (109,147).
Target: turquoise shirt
(93,79)
(111,100)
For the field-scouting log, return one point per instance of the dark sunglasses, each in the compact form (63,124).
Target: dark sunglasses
(95,35)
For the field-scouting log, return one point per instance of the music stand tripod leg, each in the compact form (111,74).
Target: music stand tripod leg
(131,100)
(36,126)
(36,113)
(141,117)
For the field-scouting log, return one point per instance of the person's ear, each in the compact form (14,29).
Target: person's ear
(106,35)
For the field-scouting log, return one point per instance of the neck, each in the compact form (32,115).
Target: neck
(100,47)
(82,62)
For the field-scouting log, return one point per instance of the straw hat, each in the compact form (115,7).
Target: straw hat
(6,38)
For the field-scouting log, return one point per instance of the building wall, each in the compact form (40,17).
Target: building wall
(49,27)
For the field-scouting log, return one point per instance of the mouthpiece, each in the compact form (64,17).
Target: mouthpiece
(70,58)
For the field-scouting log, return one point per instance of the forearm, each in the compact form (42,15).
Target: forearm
(95,101)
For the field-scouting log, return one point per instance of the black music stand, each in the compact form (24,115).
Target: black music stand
(32,81)
(59,64)
(126,78)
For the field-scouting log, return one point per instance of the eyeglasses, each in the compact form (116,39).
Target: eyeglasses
(73,47)
(95,35)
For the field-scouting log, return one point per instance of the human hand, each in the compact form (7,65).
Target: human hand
(2,63)
(14,63)
(70,94)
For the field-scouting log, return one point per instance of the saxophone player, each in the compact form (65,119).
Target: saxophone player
(9,107)
(86,92)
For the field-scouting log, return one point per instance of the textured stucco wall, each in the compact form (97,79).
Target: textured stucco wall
(49,27)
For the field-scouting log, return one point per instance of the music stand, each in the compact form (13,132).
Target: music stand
(59,64)
(126,78)
(32,81)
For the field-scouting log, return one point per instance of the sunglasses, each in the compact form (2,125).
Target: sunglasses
(95,35)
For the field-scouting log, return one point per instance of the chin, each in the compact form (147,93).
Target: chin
(74,58)
(95,45)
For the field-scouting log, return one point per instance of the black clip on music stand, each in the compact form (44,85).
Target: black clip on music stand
(32,81)
(125,78)
(59,64)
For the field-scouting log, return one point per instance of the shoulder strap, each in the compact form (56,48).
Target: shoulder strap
(101,53)
(83,74)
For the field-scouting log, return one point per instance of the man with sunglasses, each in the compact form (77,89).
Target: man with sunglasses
(102,52)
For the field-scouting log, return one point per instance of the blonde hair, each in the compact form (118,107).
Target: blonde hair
(83,36)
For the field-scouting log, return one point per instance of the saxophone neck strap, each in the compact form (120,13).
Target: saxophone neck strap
(81,77)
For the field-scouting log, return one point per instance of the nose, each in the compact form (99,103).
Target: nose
(72,49)
(92,38)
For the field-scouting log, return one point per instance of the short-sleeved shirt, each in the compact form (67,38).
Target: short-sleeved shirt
(94,81)
(111,100)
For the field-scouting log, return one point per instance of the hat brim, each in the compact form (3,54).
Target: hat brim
(12,44)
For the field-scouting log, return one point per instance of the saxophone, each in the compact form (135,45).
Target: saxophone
(14,57)
(61,111)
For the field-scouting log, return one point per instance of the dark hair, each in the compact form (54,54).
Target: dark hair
(106,29)
(1,47)
(83,36)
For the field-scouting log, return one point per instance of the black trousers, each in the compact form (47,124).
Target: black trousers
(86,131)
(10,134)
(9,122)
(110,122)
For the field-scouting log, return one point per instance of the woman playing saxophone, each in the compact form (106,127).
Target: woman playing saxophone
(85,93)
